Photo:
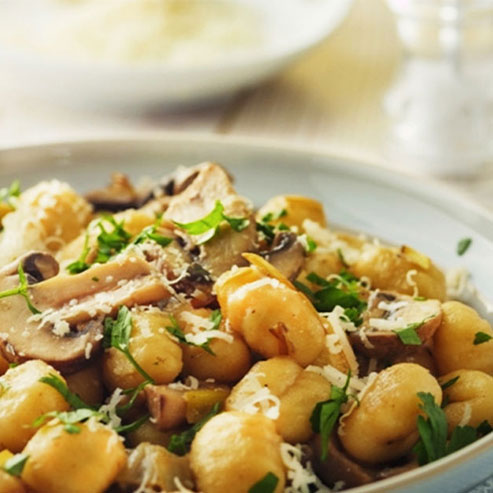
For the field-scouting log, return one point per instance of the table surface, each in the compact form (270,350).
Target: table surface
(330,100)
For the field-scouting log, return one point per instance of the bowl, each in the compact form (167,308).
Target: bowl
(390,205)
(287,30)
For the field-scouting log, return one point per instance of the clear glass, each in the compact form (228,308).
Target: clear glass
(441,103)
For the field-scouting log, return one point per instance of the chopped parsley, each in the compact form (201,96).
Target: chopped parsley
(80,265)
(463,245)
(409,336)
(70,419)
(216,319)
(342,259)
(8,193)
(268,230)
(150,233)
(341,291)
(15,465)
(57,383)
(325,414)
(210,223)
(112,239)
(449,383)
(22,290)
(180,443)
(175,330)
(117,335)
(433,443)
(266,485)
(481,337)
(82,412)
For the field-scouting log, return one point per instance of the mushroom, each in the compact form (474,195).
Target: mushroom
(340,467)
(37,266)
(287,254)
(223,251)
(117,196)
(153,468)
(69,330)
(389,312)
(167,406)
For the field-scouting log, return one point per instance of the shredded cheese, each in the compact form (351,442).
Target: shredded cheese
(110,408)
(456,282)
(301,478)
(466,417)
(179,485)
(410,275)
(191,383)
(336,377)
(255,397)
(334,319)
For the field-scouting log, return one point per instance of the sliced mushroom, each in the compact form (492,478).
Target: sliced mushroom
(212,183)
(287,254)
(340,467)
(117,196)
(38,266)
(153,468)
(167,406)
(68,332)
(389,312)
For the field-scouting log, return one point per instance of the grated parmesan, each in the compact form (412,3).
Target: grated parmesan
(255,397)
(412,282)
(334,319)
(466,417)
(301,478)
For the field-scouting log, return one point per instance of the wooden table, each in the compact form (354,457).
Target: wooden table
(331,100)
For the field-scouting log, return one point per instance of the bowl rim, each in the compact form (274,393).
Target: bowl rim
(440,193)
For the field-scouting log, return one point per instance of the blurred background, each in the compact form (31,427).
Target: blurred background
(406,84)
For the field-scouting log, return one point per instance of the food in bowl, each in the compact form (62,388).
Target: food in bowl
(177,32)
(173,338)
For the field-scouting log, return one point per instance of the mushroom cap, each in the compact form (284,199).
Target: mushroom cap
(397,311)
(69,329)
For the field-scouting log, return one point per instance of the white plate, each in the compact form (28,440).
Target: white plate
(290,27)
(389,205)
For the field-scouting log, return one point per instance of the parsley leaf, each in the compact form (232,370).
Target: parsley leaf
(176,331)
(216,318)
(266,485)
(432,430)
(80,265)
(69,419)
(7,193)
(211,222)
(22,290)
(449,383)
(110,242)
(267,230)
(180,444)
(57,383)
(149,233)
(117,335)
(408,335)
(15,464)
(481,337)
(341,291)
(342,259)
(463,245)
(484,428)
(133,425)
(461,437)
(326,413)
